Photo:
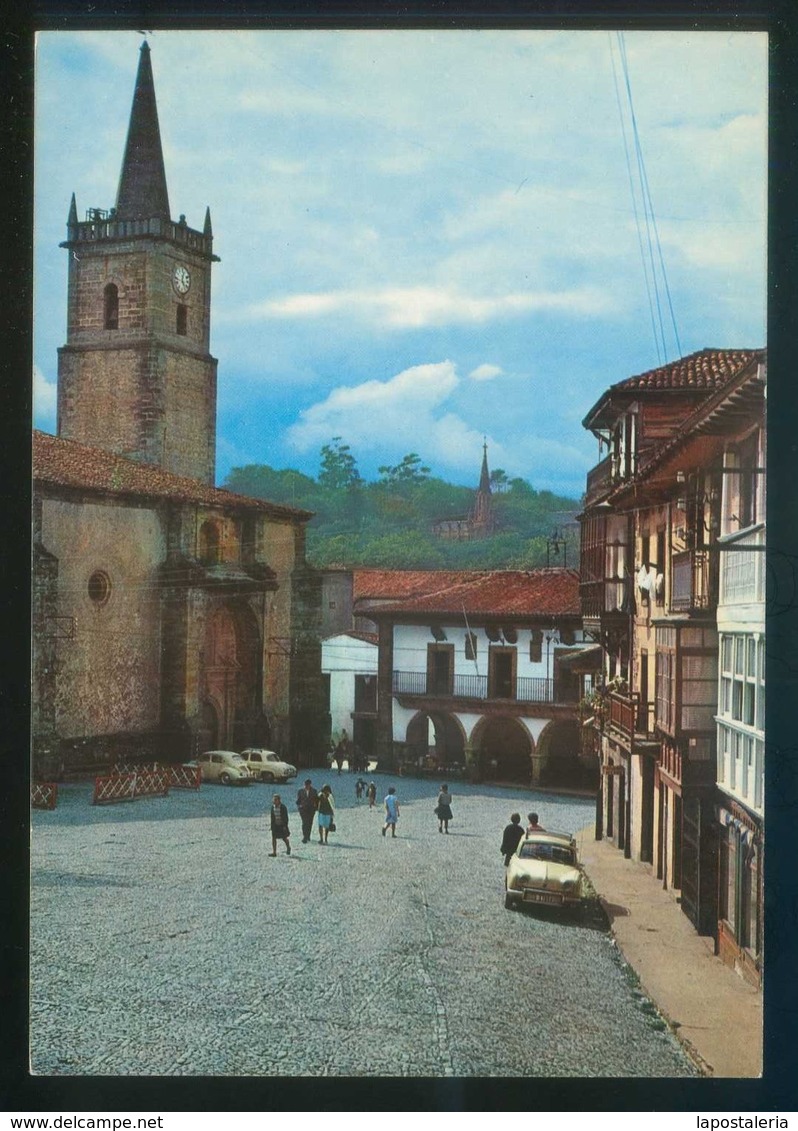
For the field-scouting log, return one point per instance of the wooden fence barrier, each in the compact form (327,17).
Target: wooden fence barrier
(43,795)
(114,787)
(131,784)
(184,777)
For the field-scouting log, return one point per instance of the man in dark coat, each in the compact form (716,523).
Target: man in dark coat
(307,801)
(513,834)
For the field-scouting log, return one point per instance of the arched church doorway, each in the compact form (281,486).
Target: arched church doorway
(231,677)
(505,750)
(558,756)
(435,740)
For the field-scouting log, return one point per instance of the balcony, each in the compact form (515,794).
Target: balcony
(599,478)
(607,596)
(528,689)
(631,716)
(742,568)
(691,581)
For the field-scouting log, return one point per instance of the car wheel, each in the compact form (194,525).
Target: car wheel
(509,902)
(266,775)
(224,779)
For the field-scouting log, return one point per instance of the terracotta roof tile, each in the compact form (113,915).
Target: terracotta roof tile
(707,369)
(66,463)
(509,593)
(700,372)
(402,582)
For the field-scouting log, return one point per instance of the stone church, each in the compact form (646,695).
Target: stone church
(169,616)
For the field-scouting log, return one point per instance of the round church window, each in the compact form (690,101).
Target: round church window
(99,587)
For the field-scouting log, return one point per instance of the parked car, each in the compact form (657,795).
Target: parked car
(545,871)
(223,766)
(267,766)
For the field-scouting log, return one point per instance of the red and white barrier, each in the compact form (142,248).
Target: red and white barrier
(185,777)
(151,782)
(43,795)
(114,787)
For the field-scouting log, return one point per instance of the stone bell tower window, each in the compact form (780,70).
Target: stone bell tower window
(181,322)
(111,304)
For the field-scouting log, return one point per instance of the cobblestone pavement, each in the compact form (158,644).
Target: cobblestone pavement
(165,941)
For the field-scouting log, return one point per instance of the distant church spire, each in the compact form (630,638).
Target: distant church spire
(142,191)
(484,479)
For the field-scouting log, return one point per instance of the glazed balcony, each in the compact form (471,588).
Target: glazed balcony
(742,568)
(692,589)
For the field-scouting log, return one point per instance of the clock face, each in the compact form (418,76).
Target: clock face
(181,280)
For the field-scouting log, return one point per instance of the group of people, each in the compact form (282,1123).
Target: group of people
(346,751)
(514,833)
(320,805)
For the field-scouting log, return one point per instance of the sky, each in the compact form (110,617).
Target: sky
(428,238)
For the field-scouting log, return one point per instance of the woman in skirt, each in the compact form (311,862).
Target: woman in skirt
(444,809)
(280,830)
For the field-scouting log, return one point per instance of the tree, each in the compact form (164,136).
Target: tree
(498,480)
(410,470)
(338,466)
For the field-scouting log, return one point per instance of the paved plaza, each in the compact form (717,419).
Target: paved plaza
(166,941)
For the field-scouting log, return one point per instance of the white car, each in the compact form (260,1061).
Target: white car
(267,766)
(545,870)
(223,766)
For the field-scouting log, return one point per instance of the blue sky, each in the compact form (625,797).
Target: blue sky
(425,236)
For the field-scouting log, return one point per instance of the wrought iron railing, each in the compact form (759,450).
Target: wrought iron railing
(525,689)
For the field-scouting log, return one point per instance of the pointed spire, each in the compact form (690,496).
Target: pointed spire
(142,183)
(72,218)
(207,230)
(484,479)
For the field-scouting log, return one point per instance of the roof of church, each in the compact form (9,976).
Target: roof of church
(700,372)
(484,478)
(66,463)
(511,593)
(142,192)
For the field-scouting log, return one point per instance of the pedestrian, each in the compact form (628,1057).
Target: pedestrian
(339,756)
(307,801)
(371,794)
(391,811)
(360,786)
(513,834)
(533,826)
(326,813)
(279,825)
(443,810)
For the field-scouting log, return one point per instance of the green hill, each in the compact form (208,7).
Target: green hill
(389,523)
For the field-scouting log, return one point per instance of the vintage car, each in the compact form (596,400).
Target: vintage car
(223,766)
(267,766)
(544,871)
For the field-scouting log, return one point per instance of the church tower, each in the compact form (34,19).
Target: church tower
(136,376)
(482,520)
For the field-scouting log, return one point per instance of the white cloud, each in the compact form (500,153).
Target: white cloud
(486,372)
(381,411)
(415,307)
(45,400)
